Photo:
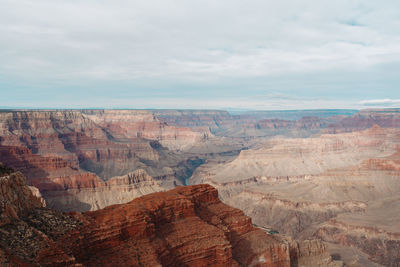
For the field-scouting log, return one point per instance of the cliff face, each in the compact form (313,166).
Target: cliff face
(69,155)
(89,159)
(119,189)
(296,186)
(385,118)
(187,226)
(253,124)
(381,246)
(16,197)
(27,227)
(144,124)
(184,226)
(297,123)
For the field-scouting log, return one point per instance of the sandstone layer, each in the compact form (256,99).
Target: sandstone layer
(187,226)
(71,156)
(300,186)
(337,184)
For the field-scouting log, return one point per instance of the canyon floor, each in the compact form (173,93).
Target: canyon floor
(331,177)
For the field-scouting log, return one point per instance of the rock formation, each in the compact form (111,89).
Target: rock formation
(187,226)
(300,186)
(328,174)
(300,123)
(70,155)
(385,118)
(16,197)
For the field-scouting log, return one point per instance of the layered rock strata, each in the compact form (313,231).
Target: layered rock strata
(16,197)
(187,226)
(70,155)
(297,186)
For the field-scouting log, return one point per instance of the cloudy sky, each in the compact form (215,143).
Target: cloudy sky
(296,54)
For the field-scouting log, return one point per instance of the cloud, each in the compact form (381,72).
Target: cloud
(183,46)
(130,40)
(381,102)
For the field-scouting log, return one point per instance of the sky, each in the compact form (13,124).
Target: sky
(225,54)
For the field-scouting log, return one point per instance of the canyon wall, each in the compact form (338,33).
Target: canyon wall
(255,124)
(297,186)
(187,226)
(72,156)
(385,118)
(16,197)
(330,175)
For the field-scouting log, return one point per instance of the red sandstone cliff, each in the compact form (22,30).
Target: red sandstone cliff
(385,118)
(187,226)
(16,197)
(67,153)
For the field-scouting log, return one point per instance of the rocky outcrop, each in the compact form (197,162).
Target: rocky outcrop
(119,189)
(295,186)
(125,124)
(311,253)
(185,226)
(196,119)
(69,155)
(16,197)
(364,119)
(4,170)
(182,227)
(381,246)
(297,123)
(287,216)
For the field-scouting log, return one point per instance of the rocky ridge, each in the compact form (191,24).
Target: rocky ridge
(70,155)
(187,226)
(298,186)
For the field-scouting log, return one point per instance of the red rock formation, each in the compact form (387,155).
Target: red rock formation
(385,118)
(15,197)
(252,124)
(63,152)
(48,173)
(143,124)
(133,178)
(182,227)
(187,226)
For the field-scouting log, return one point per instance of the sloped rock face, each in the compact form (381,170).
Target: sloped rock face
(196,119)
(187,226)
(297,186)
(119,189)
(16,197)
(4,170)
(69,155)
(381,246)
(67,141)
(311,253)
(254,124)
(385,118)
(143,124)
(21,240)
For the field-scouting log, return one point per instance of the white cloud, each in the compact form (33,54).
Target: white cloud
(187,54)
(381,102)
(184,39)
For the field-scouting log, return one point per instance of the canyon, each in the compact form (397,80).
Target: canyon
(186,226)
(78,158)
(342,188)
(316,184)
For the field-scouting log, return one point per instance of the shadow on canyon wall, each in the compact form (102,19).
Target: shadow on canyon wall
(37,177)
